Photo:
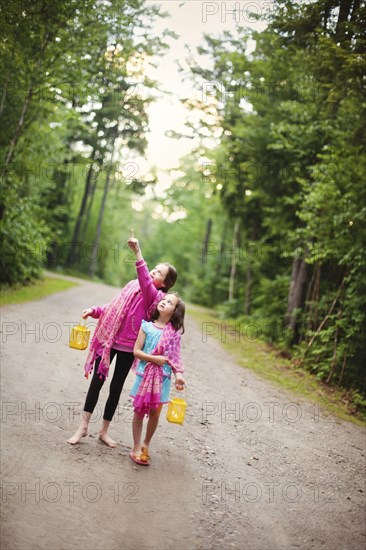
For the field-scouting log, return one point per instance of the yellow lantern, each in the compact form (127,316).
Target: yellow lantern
(79,337)
(176,410)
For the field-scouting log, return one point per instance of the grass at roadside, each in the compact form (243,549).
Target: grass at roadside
(75,273)
(34,291)
(267,362)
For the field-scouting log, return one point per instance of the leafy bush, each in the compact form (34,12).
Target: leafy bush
(24,240)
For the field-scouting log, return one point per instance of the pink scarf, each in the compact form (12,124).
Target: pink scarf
(148,395)
(108,326)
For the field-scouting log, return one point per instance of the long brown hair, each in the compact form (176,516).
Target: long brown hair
(177,319)
(170,278)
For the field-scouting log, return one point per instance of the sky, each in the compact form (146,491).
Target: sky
(190,19)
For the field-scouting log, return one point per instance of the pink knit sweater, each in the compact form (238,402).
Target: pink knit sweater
(127,334)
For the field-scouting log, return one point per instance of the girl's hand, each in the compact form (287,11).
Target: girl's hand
(160,360)
(87,313)
(179,382)
(134,244)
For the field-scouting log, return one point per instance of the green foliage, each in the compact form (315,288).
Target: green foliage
(24,239)
(359,403)
(292,151)
(72,84)
(269,303)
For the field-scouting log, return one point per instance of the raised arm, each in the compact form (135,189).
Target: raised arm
(135,247)
(149,291)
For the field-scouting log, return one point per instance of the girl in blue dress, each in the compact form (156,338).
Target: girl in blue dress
(157,353)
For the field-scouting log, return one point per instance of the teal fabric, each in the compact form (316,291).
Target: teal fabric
(153,335)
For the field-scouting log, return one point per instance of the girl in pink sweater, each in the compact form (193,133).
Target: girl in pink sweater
(115,335)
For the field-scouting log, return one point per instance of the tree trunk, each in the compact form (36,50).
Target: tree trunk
(76,234)
(314,300)
(28,97)
(295,297)
(344,13)
(343,369)
(233,261)
(3,98)
(316,296)
(206,241)
(217,296)
(18,129)
(14,142)
(249,275)
(248,290)
(334,358)
(93,187)
(356,7)
(94,254)
(307,308)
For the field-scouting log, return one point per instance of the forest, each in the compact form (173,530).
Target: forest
(265,220)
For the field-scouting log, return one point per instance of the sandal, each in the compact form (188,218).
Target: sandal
(139,460)
(145,457)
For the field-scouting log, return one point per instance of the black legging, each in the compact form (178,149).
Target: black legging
(123,364)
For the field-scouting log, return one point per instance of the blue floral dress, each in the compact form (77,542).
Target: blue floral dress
(153,335)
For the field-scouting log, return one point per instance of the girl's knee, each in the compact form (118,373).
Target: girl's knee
(155,412)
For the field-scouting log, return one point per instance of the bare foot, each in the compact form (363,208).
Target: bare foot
(107,440)
(80,432)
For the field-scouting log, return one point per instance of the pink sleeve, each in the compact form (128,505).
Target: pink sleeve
(149,292)
(98,311)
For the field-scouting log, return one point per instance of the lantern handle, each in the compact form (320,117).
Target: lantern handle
(182,394)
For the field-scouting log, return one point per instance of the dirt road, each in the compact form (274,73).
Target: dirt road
(252,467)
